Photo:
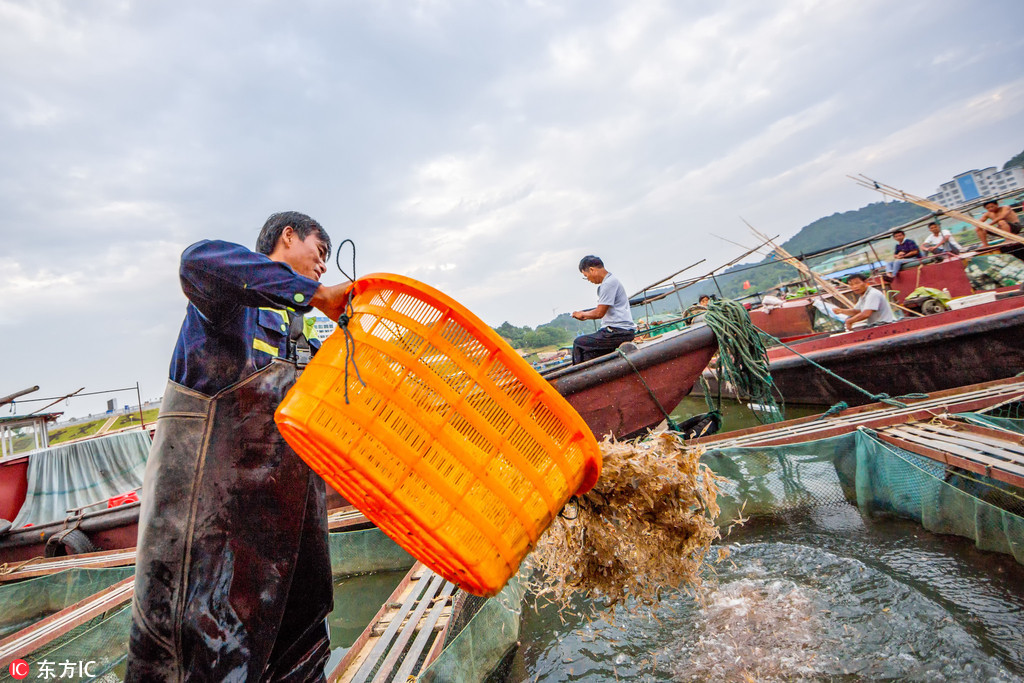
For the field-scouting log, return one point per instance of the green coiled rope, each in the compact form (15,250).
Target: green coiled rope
(743,359)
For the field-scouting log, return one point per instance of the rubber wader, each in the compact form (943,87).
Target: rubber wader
(233,573)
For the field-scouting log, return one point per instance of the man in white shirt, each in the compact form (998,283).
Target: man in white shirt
(871,306)
(617,326)
(940,241)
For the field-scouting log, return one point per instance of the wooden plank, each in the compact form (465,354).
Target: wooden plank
(41,566)
(344,518)
(951,460)
(1010,440)
(411,626)
(874,416)
(967,446)
(432,582)
(990,446)
(956,449)
(426,630)
(435,649)
(358,647)
(26,641)
(404,595)
(981,395)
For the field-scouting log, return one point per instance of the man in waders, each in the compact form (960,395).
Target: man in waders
(233,574)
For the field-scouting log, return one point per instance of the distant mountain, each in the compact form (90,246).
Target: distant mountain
(1016,161)
(831,231)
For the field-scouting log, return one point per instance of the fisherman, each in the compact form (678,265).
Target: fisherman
(617,326)
(871,306)
(233,574)
(695,313)
(940,241)
(906,249)
(1002,217)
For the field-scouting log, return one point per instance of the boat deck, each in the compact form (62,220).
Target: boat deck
(991,452)
(873,416)
(924,427)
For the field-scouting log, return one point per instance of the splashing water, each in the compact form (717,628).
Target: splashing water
(834,596)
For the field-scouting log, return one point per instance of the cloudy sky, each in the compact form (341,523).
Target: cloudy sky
(480,146)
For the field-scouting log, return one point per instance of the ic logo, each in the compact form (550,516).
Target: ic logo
(19,669)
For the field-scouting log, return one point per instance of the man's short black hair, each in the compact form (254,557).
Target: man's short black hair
(590,262)
(302,224)
(898,232)
(935,223)
(858,276)
(991,201)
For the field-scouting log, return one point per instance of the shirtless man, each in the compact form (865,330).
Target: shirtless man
(1002,217)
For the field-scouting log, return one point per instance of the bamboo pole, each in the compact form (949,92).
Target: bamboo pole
(793,261)
(935,207)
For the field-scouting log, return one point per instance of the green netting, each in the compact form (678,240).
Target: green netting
(475,645)
(1013,410)
(100,641)
(28,601)
(362,552)
(103,640)
(1008,424)
(861,469)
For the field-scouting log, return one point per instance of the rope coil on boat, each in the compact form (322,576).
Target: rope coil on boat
(743,358)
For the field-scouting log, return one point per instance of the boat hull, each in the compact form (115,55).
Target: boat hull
(611,397)
(918,355)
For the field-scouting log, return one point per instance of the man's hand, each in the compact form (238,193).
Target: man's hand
(331,299)
(579,315)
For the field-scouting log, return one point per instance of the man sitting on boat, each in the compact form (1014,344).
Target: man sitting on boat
(906,249)
(695,313)
(617,326)
(233,570)
(940,241)
(871,306)
(1002,217)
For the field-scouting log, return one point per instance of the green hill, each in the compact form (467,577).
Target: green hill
(824,233)
(830,231)
(1015,161)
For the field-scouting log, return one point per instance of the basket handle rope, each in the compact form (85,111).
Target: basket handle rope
(344,318)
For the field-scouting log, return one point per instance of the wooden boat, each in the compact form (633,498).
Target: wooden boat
(625,393)
(980,341)
(958,347)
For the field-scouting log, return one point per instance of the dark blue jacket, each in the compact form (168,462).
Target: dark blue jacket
(906,246)
(238,314)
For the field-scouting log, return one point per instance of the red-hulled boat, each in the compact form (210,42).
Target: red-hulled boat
(959,347)
(625,393)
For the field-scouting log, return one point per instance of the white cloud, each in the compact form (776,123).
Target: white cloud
(481,147)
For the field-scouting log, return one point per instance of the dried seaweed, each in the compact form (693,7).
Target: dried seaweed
(646,526)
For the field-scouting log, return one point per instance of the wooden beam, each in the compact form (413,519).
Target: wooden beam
(41,566)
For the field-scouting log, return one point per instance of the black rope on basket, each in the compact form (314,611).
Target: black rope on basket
(350,343)
(337,259)
(344,318)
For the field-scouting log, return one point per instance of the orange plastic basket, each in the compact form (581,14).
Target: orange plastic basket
(456,448)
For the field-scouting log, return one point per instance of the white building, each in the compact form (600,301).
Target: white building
(323,327)
(972,185)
